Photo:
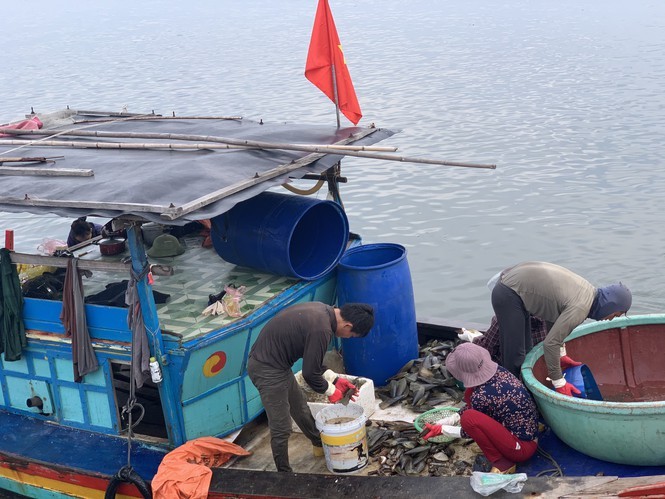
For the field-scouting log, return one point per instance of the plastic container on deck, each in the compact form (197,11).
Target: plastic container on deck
(282,234)
(344,437)
(378,274)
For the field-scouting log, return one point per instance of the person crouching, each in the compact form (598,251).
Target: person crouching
(500,414)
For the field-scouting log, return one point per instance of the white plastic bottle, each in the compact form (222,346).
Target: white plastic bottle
(155,370)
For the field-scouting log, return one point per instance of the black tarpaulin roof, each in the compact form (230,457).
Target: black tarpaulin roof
(161,184)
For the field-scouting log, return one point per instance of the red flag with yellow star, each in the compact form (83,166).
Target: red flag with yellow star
(325,53)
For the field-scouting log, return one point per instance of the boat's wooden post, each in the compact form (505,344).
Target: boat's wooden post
(151,321)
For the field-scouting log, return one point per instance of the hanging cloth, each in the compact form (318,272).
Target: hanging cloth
(140,348)
(73,318)
(12,330)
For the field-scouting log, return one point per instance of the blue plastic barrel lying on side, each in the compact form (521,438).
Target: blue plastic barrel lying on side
(582,379)
(378,274)
(282,234)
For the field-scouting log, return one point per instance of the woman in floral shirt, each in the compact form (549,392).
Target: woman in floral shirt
(499,415)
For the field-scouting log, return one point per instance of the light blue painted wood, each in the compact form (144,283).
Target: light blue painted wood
(72,409)
(21,389)
(252,398)
(227,394)
(64,370)
(99,410)
(219,413)
(96,378)
(15,366)
(195,381)
(41,365)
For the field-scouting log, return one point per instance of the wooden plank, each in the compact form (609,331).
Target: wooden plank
(245,484)
(50,172)
(61,262)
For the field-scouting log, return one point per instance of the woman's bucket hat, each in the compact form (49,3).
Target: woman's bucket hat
(471,364)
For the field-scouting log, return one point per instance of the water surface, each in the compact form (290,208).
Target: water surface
(565,97)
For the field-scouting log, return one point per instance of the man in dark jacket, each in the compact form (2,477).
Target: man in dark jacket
(563,300)
(301,331)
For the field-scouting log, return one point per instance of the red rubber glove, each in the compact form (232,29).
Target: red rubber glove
(567,362)
(568,389)
(336,396)
(433,430)
(343,385)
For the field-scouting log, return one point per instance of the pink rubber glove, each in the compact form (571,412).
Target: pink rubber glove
(433,430)
(568,389)
(567,362)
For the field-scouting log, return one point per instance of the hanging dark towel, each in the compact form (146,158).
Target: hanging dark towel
(140,348)
(12,330)
(73,318)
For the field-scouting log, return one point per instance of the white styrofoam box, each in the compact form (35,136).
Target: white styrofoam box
(317,401)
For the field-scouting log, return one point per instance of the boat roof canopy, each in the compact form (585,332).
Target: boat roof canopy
(164,180)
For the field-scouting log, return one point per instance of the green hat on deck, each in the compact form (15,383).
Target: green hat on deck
(166,245)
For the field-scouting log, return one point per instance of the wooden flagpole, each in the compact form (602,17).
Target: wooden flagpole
(332,62)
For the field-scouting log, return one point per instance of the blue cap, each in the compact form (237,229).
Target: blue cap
(609,300)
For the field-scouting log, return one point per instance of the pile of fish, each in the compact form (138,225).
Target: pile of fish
(395,448)
(423,383)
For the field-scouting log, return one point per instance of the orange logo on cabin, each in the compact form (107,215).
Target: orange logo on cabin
(214,364)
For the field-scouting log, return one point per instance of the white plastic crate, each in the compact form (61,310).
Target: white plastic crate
(317,401)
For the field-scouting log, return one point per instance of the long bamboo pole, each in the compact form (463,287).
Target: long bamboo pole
(248,143)
(45,172)
(184,137)
(21,159)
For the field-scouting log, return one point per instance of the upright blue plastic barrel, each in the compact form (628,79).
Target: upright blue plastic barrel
(282,234)
(378,274)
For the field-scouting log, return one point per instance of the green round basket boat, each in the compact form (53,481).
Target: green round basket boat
(626,356)
(432,416)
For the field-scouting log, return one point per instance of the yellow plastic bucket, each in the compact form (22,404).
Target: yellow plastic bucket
(344,437)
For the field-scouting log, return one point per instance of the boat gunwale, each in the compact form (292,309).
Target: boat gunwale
(586,405)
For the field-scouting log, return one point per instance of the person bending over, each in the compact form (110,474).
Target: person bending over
(301,331)
(559,297)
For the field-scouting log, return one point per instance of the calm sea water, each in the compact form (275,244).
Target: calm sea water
(565,97)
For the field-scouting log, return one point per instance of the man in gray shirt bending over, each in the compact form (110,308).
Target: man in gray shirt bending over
(301,331)
(563,300)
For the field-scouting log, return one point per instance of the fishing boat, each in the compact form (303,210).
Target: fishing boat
(110,170)
(103,434)
(75,421)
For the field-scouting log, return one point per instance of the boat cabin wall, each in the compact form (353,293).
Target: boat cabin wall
(41,384)
(216,394)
